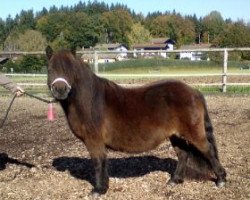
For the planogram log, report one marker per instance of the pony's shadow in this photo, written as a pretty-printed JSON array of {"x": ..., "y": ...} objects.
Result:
[
  {"x": 82, "y": 168},
  {"x": 5, "y": 159}
]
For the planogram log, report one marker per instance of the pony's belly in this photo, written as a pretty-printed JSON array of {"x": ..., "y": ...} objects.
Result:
[
  {"x": 129, "y": 136},
  {"x": 136, "y": 143}
]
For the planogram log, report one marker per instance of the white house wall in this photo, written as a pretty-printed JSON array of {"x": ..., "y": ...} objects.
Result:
[
  {"x": 191, "y": 55},
  {"x": 122, "y": 49}
]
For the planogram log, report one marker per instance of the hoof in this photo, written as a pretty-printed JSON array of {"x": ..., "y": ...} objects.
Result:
[
  {"x": 94, "y": 195},
  {"x": 173, "y": 182},
  {"x": 220, "y": 184}
]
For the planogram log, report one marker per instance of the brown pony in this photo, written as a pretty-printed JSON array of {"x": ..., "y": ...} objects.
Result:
[{"x": 105, "y": 115}]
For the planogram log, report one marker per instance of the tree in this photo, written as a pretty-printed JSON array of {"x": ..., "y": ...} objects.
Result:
[
  {"x": 9, "y": 66},
  {"x": 84, "y": 30},
  {"x": 2, "y": 32},
  {"x": 71, "y": 29},
  {"x": 42, "y": 13},
  {"x": 138, "y": 34},
  {"x": 212, "y": 25},
  {"x": 174, "y": 27},
  {"x": 118, "y": 24},
  {"x": 31, "y": 40},
  {"x": 234, "y": 35},
  {"x": 198, "y": 27},
  {"x": 60, "y": 43},
  {"x": 31, "y": 63},
  {"x": 25, "y": 20},
  {"x": 11, "y": 42},
  {"x": 10, "y": 24},
  {"x": 52, "y": 25}
]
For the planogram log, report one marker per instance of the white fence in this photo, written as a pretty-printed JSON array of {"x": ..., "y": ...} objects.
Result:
[{"x": 224, "y": 69}]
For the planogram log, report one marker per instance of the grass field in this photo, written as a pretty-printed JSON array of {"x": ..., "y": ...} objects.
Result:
[
  {"x": 170, "y": 66},
  {"x": 146, "y": 70},
  {"x": 172, "y": 70}
]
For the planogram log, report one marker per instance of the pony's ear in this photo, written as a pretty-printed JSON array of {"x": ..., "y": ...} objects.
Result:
[{"x": 49, "y": 52}]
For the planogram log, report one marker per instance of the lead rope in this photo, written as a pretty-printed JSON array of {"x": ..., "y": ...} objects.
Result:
[
  {"x": 8, "y": 110},
  {"x": 41, "y": 99},
  {"x": 13, "y": 99}
]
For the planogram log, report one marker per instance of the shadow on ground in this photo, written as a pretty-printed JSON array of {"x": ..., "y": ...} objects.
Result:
[
  {"x": 82, "y": 168},
  {"x": 5, "y": 159}
]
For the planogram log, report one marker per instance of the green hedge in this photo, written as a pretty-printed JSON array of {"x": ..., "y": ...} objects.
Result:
[{"x": 168, "y": 63}]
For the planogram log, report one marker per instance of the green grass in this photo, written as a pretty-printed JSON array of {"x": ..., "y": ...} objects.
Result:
[
  {"x": 43, "y": 91},
  {"x": 150, "y": 67},
  {"x": 165, "y": 70},
  {"x": 230, "y": 89},
  {"x": 29, "y": 79},
  {"x": 238, "y": 89}
]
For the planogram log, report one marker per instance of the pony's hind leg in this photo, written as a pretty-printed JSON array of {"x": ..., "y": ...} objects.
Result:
[
  {"x": 180, "y": 147},
  {"x": 209, "y": 152},
  {"x": 219, "y": 171}
]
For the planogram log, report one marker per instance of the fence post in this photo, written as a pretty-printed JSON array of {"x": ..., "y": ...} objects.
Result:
[
  {"x": 96, "y": 62},
  {"x": 224, "y": 72}
]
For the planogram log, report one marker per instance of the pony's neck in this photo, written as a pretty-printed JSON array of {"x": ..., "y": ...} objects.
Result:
[{"x": 113, "y": 93}]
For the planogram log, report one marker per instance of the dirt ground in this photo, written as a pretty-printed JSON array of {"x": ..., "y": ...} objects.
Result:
[{"x": 43, "y": 160}]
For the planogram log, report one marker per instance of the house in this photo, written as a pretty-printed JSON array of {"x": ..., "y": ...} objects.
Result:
[
  {"x": 117, "y": 52},
  {"x": 116, "y": 47},
  {"x": 102, "y": 58},
  {"x": 195, "y": 55},
  {"x": 156, "y": 44}
]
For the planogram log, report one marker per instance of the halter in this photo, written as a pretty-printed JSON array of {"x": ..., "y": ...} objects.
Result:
[{"x": 61, "y": 80}]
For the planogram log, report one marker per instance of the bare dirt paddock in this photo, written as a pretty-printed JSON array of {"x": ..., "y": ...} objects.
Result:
[{"x": 43, "y": 160}]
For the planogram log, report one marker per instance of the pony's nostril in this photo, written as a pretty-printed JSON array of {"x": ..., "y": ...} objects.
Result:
[{"x": 60, "y": 90}]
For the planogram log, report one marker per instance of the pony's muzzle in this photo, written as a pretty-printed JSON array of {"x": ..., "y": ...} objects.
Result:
[{"x": 60, "y": 88}]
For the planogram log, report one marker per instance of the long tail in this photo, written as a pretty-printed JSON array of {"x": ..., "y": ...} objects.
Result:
[{"x": 209, "y": 128}]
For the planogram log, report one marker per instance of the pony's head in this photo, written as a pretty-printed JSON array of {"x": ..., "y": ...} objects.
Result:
[{"x": 60, "y": 73}]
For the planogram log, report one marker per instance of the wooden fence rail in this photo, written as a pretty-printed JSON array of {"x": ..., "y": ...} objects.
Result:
[
  {"x": 149, "y": 75},
  {"x": 224, "y": 74}
]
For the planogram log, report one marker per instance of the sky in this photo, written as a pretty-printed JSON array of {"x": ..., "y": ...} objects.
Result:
[{"x": 234, "y": 9}]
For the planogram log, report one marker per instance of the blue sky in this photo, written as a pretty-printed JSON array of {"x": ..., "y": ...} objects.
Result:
[{"x": 234, "y": 9}]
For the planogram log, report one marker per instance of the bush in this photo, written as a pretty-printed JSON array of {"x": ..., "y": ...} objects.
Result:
[
  {"x": 26, "y": 64},
  {"x": 32, "y": 64},
  {"x": 6, "y": 68},
  {"x": 245, "y": 55},
  {"x": 234, "y": 56},
  {"x": 216, "y": 56}
]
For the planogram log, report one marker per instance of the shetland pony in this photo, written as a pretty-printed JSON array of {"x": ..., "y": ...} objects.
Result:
[{"x": 104, "y": 115}]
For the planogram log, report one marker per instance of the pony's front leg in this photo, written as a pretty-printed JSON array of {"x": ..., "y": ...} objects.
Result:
[
  {"x": 101, "y": 175},
  {"x": 97, "y": 153}
]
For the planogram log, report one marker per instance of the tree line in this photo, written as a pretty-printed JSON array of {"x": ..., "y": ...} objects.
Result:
[{"x": 86, "y": 24}]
